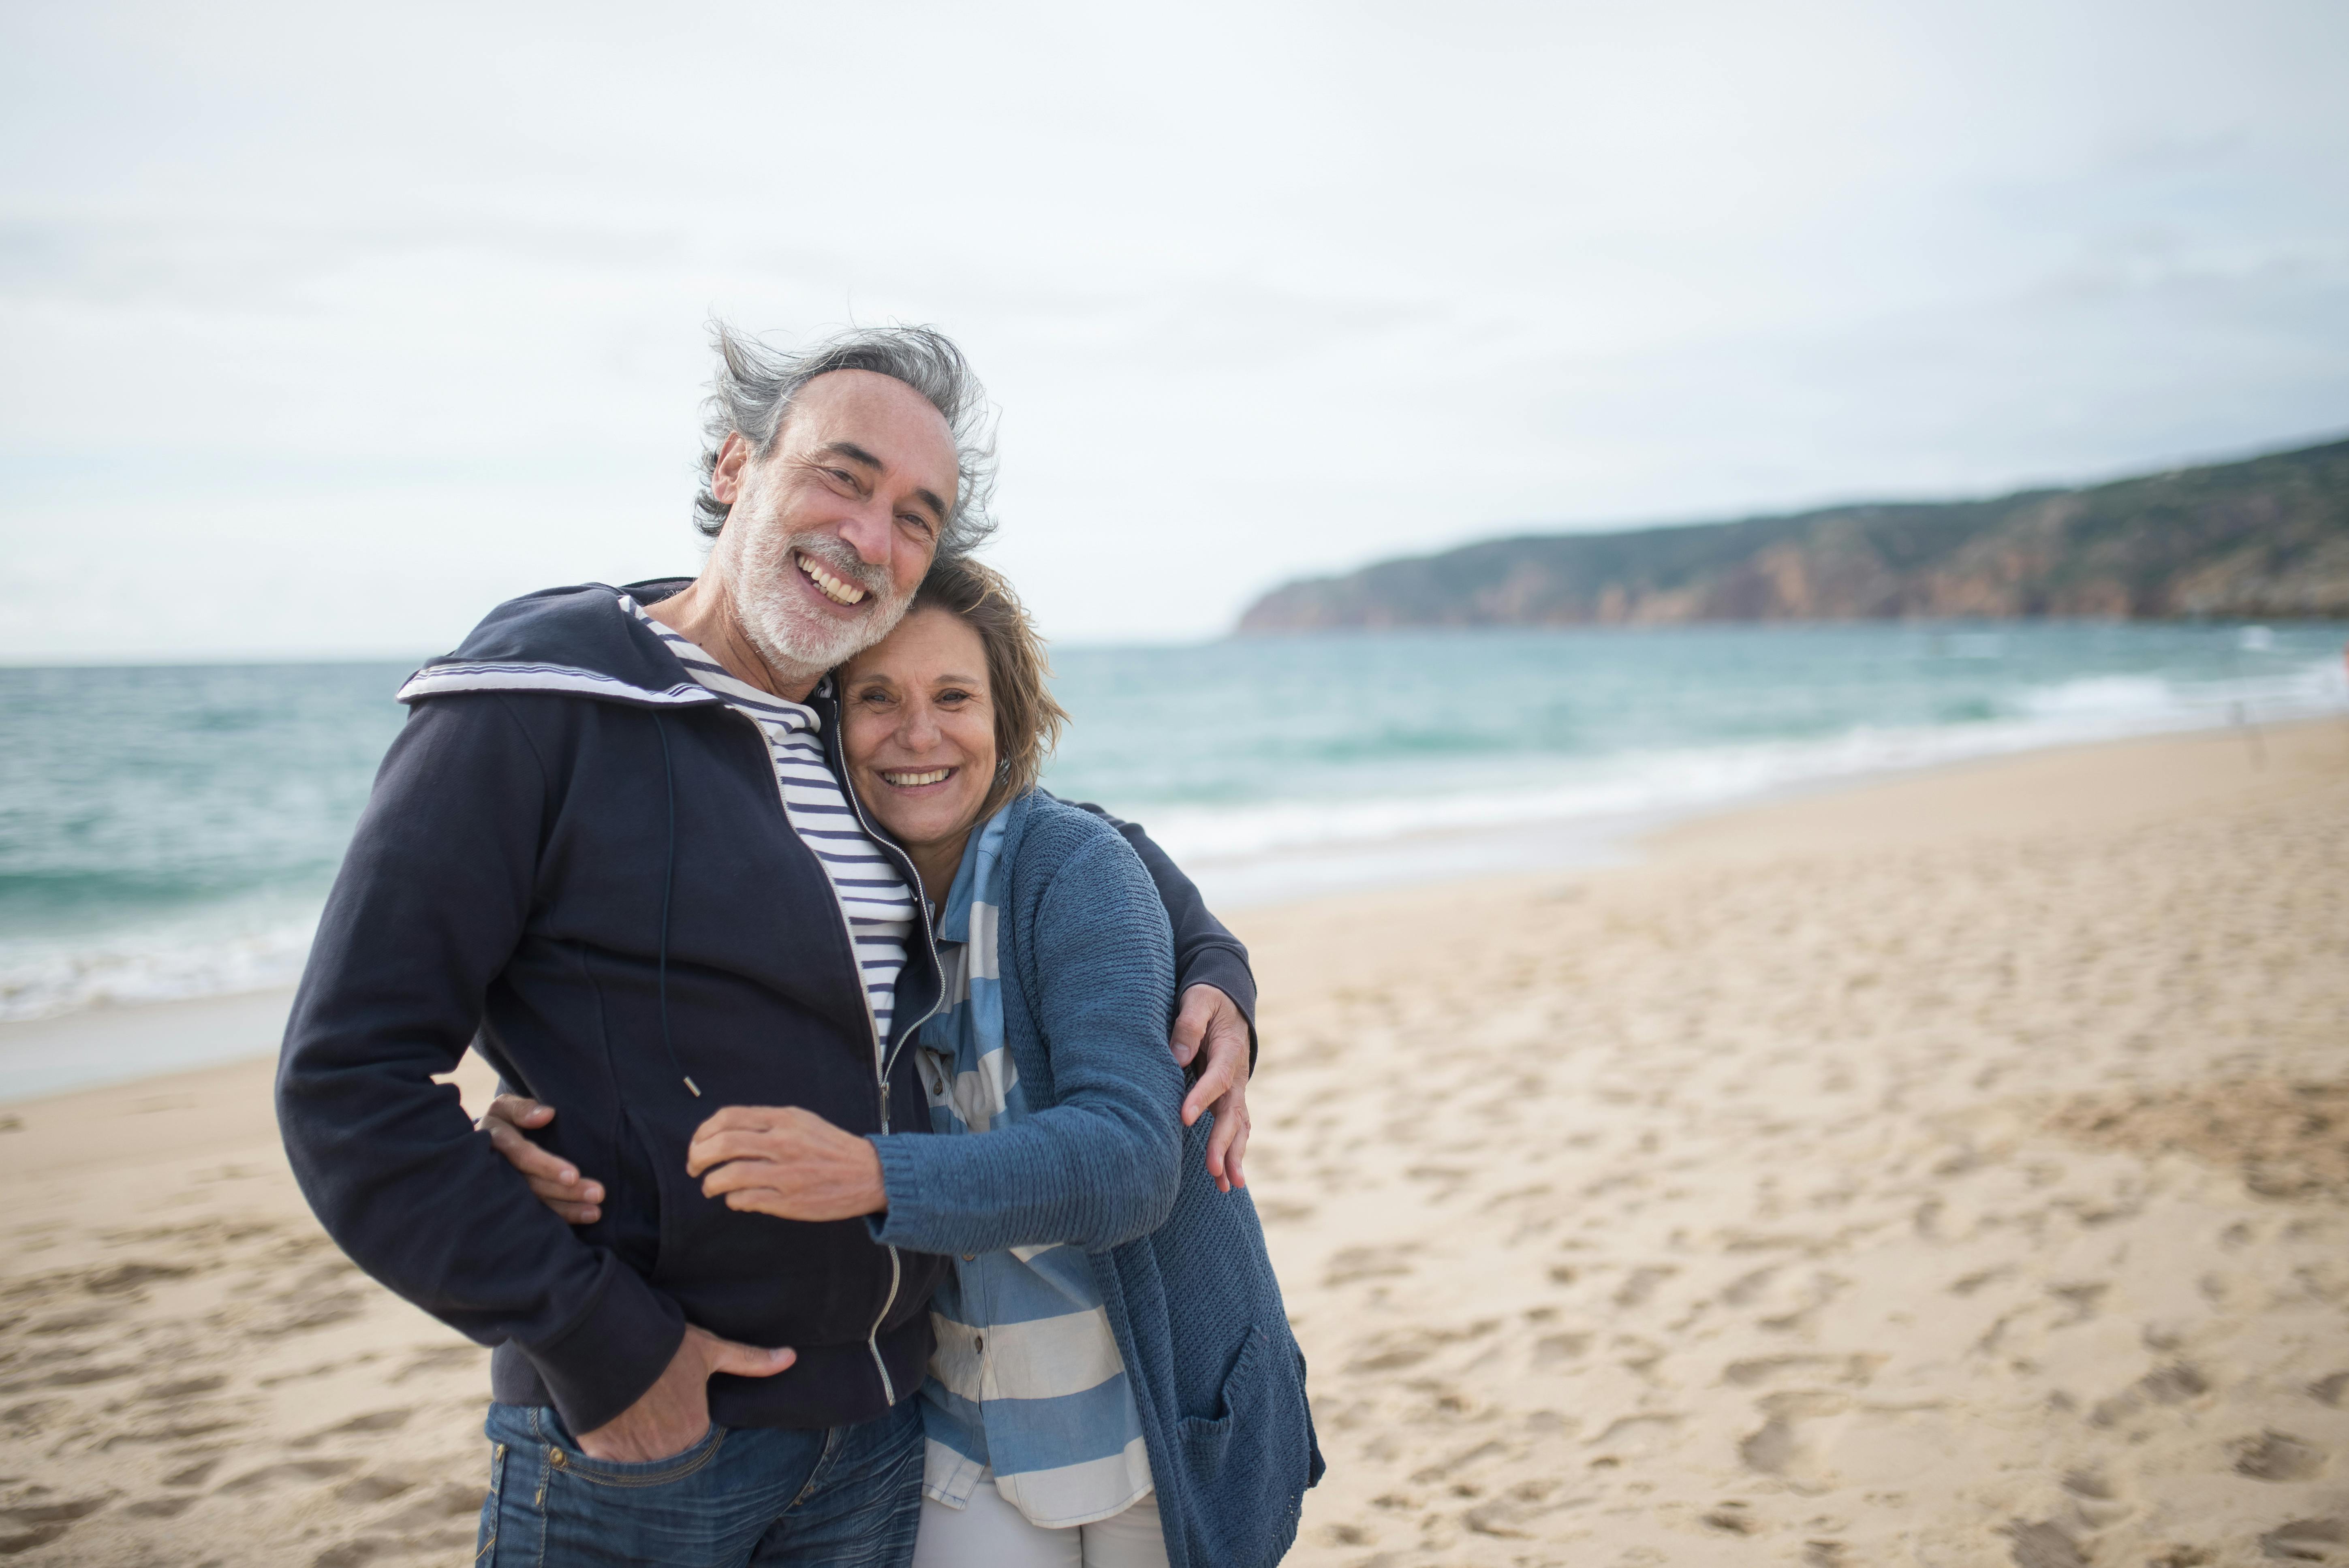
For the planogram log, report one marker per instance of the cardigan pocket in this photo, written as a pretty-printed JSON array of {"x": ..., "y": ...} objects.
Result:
[
  {"x": 1236, "y": 1460},
  {"x": 1208, "y": 1439}
]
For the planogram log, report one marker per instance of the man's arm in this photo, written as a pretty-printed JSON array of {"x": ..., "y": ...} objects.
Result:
[
  {"x": 1205, "y": 951},
  {"x": 1215, "y": 1021},
  {"x": 428, "y": 908}
]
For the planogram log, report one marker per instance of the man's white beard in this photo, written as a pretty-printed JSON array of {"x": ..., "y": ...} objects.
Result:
[{"x": 798, "y": 640}]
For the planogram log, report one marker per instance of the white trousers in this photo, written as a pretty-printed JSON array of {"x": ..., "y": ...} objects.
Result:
[{"x": 991, "y": 1533}]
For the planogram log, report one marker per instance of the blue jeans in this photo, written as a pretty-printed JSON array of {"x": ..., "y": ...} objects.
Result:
[{"x": 849, "y": 1497}]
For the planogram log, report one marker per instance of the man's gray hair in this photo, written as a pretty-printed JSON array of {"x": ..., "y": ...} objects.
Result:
[{"x": 757, "y": 382}]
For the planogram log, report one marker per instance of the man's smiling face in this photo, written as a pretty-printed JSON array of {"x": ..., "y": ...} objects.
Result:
[{"x": 831, "y": 533}]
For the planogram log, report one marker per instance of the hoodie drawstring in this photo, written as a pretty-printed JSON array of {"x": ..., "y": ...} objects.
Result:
[{"x": 668, "y": 886}]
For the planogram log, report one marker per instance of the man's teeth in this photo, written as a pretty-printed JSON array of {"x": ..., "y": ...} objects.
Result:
[
  {"x": 912, "y": 781},
  {"x": 836, "y": 591}
]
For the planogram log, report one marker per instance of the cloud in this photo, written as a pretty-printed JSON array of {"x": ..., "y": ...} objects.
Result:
[{"x": 1261, "y": 290}]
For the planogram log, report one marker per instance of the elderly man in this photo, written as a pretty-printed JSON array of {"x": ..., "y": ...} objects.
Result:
[{"x": 614, "y": 850}]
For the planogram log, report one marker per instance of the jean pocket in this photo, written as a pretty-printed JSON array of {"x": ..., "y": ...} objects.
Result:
[{"x": 676, "y": 1467}]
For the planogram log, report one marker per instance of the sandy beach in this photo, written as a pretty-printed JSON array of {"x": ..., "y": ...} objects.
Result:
[{"x": 1954, "y": 1171}]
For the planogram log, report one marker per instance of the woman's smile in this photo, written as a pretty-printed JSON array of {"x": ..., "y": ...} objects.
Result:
[{"x": 917, "y": 723}]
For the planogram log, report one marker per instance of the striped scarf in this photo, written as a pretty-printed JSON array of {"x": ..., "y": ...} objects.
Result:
[{"x": 1026, "y": 1378}]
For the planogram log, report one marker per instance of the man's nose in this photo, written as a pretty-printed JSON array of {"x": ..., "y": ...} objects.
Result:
[{"x": 869, "y": 532}]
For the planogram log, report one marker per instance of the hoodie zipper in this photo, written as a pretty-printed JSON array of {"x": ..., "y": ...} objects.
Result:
[
  {"x": 902, "y": 1030},
  {"x": 884, "y": 1058}
]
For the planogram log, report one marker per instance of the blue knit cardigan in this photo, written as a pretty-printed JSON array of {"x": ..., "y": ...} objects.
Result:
[{"x": 1105, "y": 1163}]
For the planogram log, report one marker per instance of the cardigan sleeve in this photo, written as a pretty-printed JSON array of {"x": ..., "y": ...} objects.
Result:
[{"x": 1101, "y": 1165}]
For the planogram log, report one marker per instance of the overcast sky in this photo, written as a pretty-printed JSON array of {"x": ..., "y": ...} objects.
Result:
[{"x": 326, "y": 328}]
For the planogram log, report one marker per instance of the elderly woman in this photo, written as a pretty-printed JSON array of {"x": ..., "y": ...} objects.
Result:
[{"x": 1114, "y": 1381}]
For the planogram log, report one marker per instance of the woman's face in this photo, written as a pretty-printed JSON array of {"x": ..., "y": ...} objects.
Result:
[{"x": 918, "y": 729}]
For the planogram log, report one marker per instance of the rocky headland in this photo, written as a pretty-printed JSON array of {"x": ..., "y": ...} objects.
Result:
[{"x": 2263, "y": 539}]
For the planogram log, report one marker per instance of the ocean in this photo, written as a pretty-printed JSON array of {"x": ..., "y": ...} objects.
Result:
[{"x": 168, "y": 833}]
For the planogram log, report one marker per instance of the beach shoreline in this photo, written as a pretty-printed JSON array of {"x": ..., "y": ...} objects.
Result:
[
  {"x": 1912, "y": 1173},
  {"x": 45, "y": 1057}
]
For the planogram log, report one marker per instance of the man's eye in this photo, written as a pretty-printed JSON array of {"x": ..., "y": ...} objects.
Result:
[{"x": 915, "y": 521}]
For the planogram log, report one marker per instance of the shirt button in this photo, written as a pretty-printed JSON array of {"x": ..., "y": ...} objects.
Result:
[
  {"x": 970, "y": 1257},
  {"x": 979, "y": 1342}
]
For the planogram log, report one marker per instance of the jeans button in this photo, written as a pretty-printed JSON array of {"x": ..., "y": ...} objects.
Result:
[{"x": 558, "y": 1460}]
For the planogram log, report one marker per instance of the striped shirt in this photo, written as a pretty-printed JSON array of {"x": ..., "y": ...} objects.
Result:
[
  {"x": 1026, "y": 1378},
  {"x": 874, "y": 898}
]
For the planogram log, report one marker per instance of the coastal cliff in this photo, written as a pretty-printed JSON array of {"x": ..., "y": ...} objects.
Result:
[{"x": 2266, "y": 538}]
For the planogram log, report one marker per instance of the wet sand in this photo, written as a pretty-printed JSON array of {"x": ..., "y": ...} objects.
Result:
[{"x": 1950, "y": 1172}]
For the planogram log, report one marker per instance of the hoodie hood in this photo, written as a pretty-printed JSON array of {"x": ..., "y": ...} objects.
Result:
[{"x": 579, "y": 640}]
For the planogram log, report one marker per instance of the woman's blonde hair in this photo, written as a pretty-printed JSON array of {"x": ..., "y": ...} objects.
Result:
[{"x": 1028, "y": 721}]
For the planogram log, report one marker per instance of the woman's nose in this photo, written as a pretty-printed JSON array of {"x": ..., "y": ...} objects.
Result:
[{"x": 920, "y": 731}]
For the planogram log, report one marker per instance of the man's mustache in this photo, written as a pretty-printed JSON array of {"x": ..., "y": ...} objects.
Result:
[{"x": 836, "y": 557}]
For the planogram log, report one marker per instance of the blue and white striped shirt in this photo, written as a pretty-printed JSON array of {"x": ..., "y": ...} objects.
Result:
[
  {"x": 874, "y": 898},
  {"x": 1026, "y": 1378}
]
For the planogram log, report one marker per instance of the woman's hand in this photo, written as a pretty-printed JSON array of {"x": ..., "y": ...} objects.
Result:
[
  {"x": 788, "y": 1162},
  {"x": 1214, "y": 1020},
  {"x": 555, "y": 1180}
]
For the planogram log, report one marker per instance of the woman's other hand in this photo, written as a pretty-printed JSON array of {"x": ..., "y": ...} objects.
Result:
[
  {"x": 786, "y": 1161},
  {"x": 555, "y": 1180},
  {"x": 1212, "y": 1020}
]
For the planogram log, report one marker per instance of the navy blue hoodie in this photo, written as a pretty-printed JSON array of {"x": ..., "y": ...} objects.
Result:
[{"x": 576, "y": 861}]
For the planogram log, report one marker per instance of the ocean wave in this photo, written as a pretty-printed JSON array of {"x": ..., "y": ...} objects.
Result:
[
  {"x": 260, "y": 940},
  {"x": 42, "y": 977},
  {"x": 1684, "y": 780}
]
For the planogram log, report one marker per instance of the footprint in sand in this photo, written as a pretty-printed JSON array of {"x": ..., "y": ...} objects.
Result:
[
  {"x": 293, "y": 1472},
  {"x": 2277, "y": 1456},
  {"x": 2042, "y": 1545},
  {"x": 443, "y": 1505},
  {"x": 2323, "y": 1541},
  {"x": 1734, "y": 1518},
  {"x": 357, "y": 1426},
  {"x": 1642, "y": 1284},
  {"x": 2095, "y": 1498},
  {"x": 1403, "y": 1347},
  {"x": 376, "y": 1486},
  {"x": 159, "y": 1508},
  {"x": 1349, "y": 1265},
  {"x": 1777, "y": 1447},
  {"x": 193, "y": 1475},
  {"x": 1856, "y": 1369},
  {"x": 2173, "y": 1383},
  {"x": 36, "y": 1525}
]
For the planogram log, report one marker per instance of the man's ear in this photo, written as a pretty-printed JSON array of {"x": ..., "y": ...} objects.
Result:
[{"x": 725, "y": 478}]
